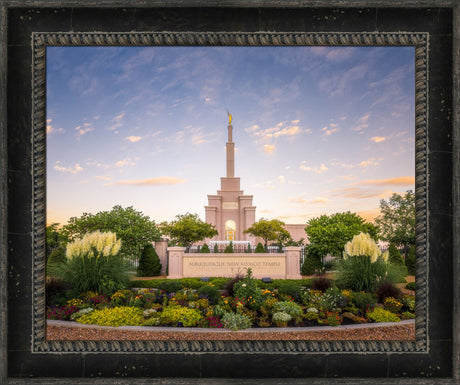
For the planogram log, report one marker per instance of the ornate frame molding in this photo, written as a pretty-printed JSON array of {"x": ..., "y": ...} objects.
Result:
[{"x": 42, "y": 40}]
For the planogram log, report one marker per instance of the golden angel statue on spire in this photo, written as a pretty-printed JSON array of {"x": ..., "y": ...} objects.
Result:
[{"x": 229, "y": 118}]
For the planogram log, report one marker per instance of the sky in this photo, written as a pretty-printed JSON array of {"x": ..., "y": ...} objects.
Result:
[{"x": 317, "y": 130}]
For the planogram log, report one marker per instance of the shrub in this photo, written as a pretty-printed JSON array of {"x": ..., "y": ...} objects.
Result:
[
  {"x": 310, "y": 265},
  {"x": 205, "y": 249},
  {"x": 93, "y": 264},
  {"x": 171, "y": 286},
  {"x": 281, "y": 318},
  {"x": 410, "y": 286},
  {"x": 116, "y": 316},
  {"x": 56, "y": 262},
  {"x": 211, "y": 322},
  {"x": 260, "y": 248},
  {"x": 410, "y": 261},
  {"x": 248, "y": 248},
  {"x": 230, "y": 284},
  {"x": 394, "y": 255},
  {"x": 408, "y": 302},
  {"x": 247, "y": 291},
  {"x": 364, "y": 301},
  {"x": 387, "y": 289},
  {"x": 321, "y": 283},
  {"x": 392, "y": 304},
  {"x": 216, "y": 248},
  {"x": 55, "y": 291},
  {"x": 291, "y": 288},
  {"x": 81, "y": 312},
  {"x": 407, "y": 315},
  {"x": 289, "y": 307},
  {"x": 219, "y": 282},
  {"x": 210, "y": 292},
  {"x": 149, "y": 263},
  {"x": 332, "y": 299},
  {"x": 229, "y": 248},
  {"x": 235, "y": 322},
  {"x": 333, "y": 318},
  {"x": 382, "y": 315},
  {"x": 180, "y": 316},
  {"x": 62, "y": 313}
]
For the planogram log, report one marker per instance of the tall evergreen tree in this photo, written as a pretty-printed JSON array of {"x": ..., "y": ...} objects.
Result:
[{"x": 149, "y": 263}]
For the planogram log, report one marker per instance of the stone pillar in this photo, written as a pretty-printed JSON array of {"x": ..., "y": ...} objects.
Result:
[
  {"x": 176, "y": 255},
  {"x": 161, "y": 247},
  {"x": 293, "y": 262}
]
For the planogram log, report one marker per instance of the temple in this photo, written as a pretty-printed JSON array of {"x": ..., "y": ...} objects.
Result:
[{"x": 230, "y": 211}]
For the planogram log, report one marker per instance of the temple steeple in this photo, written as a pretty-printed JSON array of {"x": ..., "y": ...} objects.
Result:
[
  {"x": 230, "y": 149},
  {"x": 230, "y": 211},
  {"x": 230, "y": 154}
]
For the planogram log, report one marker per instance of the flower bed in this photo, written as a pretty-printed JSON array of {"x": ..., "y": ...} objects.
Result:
[{"x": 244, "y": 305}]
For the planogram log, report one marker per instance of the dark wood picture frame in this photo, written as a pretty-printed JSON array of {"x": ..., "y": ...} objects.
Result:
[{"x": 28, "y": 26}]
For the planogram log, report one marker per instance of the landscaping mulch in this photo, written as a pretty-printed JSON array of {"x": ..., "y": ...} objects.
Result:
[{"x": 378, "y": 332}]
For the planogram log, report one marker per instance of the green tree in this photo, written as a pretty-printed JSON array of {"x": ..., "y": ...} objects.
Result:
[
  {"x": 229, "y": 248},
  {"x": 410, "y": 261},
  {"x": 205, "y": 249},
  {"x": 149, "y": 263},
  {"x": 53, "y": 239},
  {"x": 56, "y": 261},
  {"x": 394, "y": 256},
  {"x": 329, "y": 234},
  {"x": 272, "y": 230},
  {"x": 187, "y": 229},
  {"x": 132, "y": 227},
  {"x": 397, "y": 220},
  {"x": 260, "y": 248}
]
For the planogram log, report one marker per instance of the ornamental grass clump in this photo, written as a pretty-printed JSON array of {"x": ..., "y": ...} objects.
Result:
[
  {"x": 94, "y": 264},
  {"x": 363, "y": 265}
]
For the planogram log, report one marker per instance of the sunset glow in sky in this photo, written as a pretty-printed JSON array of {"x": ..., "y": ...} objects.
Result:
[{"x": 317, "y": 130}]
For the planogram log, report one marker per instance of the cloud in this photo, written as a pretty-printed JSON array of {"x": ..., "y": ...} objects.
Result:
[
  {"x": 347, "y": 177},
  {"x": 318, "y": 170},
  {"x": 160, "y": 181},
  {"x": 83, "y": 129},
  {"x": 72, "y": 170},
  {"x": 133, "y": 139},
  {"x": 117, "y": 121},
  {"x": 124, "y": 162},
  {"x": 378, "y": 139},
  {"x": 336, "y": 85},
  {"x": 103, "y": 177},
  {"x": 50, "y": 129},
  {"x": 282, "y": 129},
  {"x": 400, "y": 181},
  {"x": 269, "y": 148},
  {"x": 369, "y": 162},
  {"x": 302, "y": 201},
  {"x": 330, "y": 129},
  {"x": 369, "y": 215},
  {"x": 359, "y": 193},
  {"x": 253, "y": 128},
  {"x": 362, "y": 123},
  {"x": 281, "y": 179},
  {"x": 363, "y": 164}
]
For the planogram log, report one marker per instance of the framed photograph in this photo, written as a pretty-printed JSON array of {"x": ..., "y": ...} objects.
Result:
[{"x": 302, "y": 81}]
